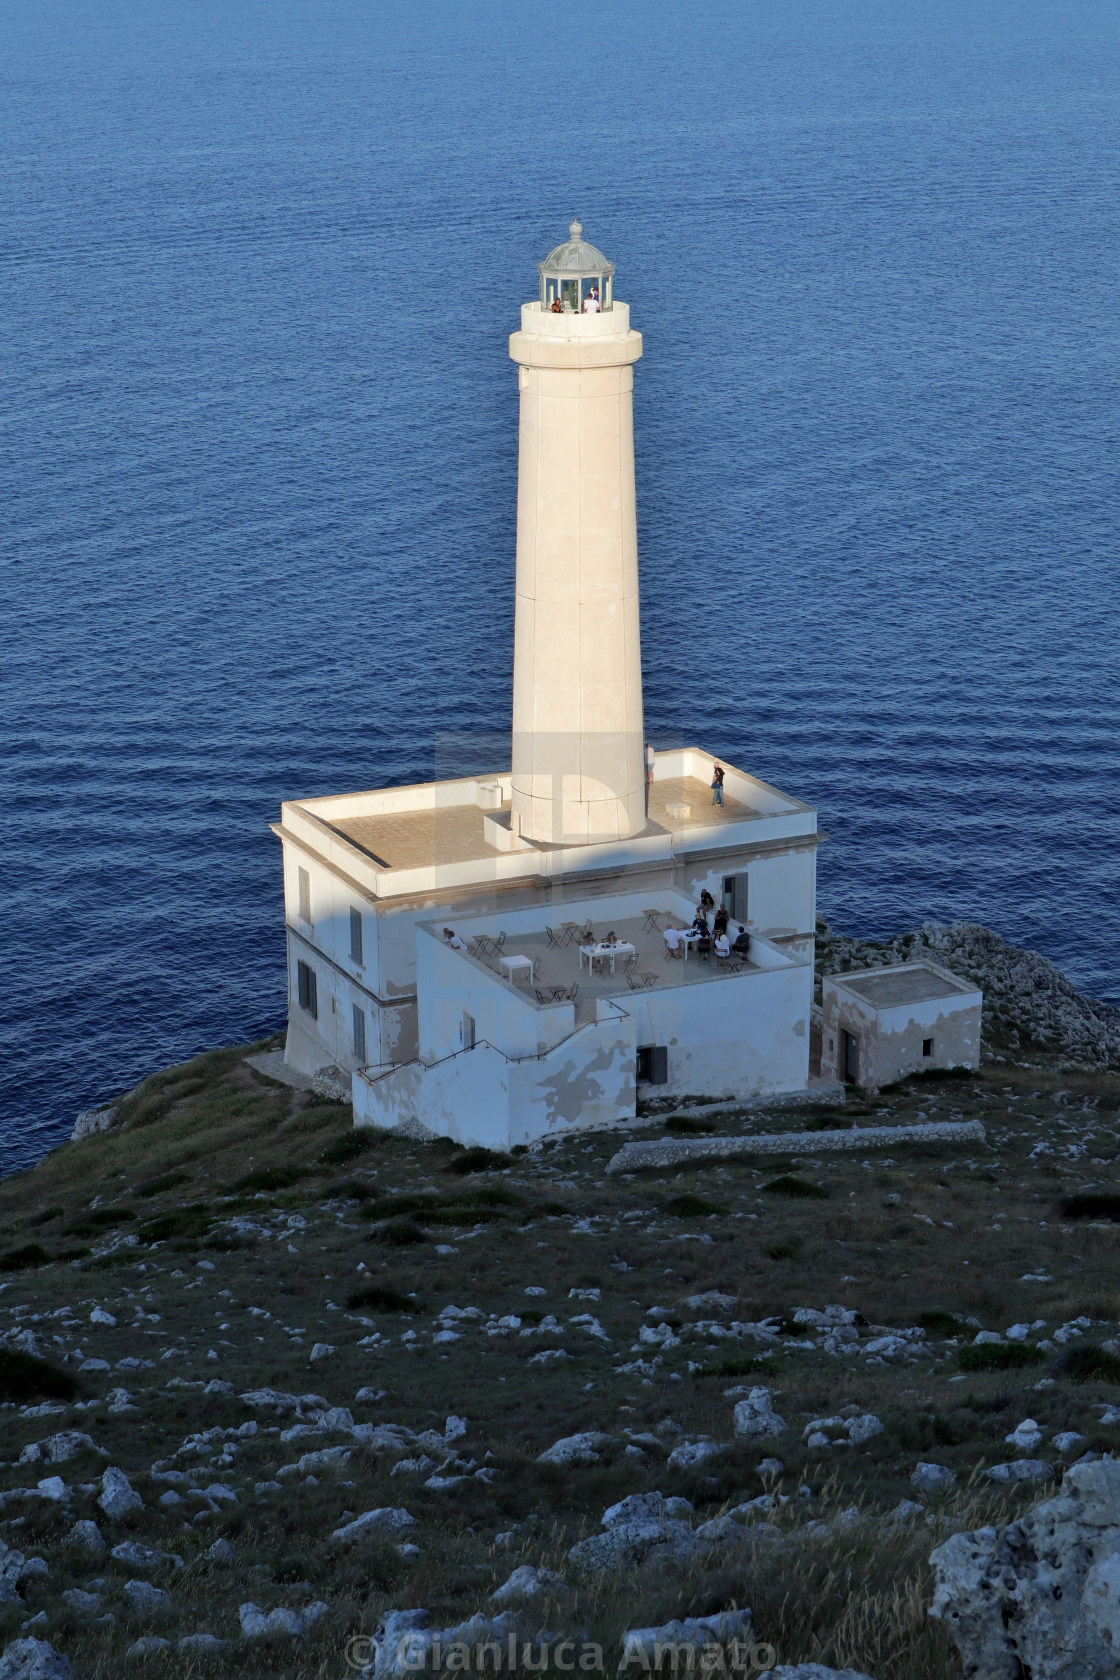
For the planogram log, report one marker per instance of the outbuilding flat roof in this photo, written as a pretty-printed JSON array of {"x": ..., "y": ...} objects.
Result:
[{"x": 887, "y": 988}]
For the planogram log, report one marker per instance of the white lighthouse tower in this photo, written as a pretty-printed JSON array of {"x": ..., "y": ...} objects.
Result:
[{"x": 578, "y": 773}]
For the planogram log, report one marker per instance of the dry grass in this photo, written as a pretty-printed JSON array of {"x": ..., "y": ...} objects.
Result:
[{"x": 223, "y": 1192}]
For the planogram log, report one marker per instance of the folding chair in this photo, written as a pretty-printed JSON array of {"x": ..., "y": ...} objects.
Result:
[
  {"x": 555, "y": 939},
  {"x": 651, "y": 924}
]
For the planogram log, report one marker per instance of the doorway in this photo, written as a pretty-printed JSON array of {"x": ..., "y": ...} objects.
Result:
[{"x": 849, "y": 1057}]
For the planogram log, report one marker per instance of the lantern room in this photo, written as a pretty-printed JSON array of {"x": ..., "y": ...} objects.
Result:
[{"x": 576, "y": 279}]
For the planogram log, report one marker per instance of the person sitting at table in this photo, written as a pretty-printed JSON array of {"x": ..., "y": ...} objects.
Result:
[
  {"x": 742, "y": 943},
  {"x": 672, "y": 937},
  {"x": 611, "y": 939},
  {"x": 722, "y": 946},
  {"x": 700, "y": 923}
]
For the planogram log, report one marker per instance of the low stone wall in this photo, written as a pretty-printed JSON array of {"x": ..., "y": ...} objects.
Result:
[{"x": 670, "y": 1152}]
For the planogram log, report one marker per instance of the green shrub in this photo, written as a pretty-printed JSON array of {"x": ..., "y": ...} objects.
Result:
[
  {"x": 350, "y": 1145},
  {"x": 478, "y": 1159},
  {"x": 351, "y": 1190},
  {"x": 23, "y": 1377},
  {"x": 689, "y": 1206},
  {"x": 45, "y": 1217},
  {"x": 384, "y": 1299},
  {"x": 156, "y": 1186},
  {"x": 545, "y": 1210},
  {"x": 269, "y": 1178},
  {"x": 398, "y": 1233},
  {"x": 996, "y": 1356},
  {"x": 783, "y": 1250},
  {"x": 91, "y": 1224},
  {"x": 1090, "y": 1364},
  {"x": 798, "y": 1188},
  {"x": 939, "y": 1322},
  {"x": 19, "y": 1259},
  {"x": 681, "y": 1125},
  {"x": 1091, "y": 1204},
  {"x": 737, "y": 1366},
  {"x": 179, "y": 1222}
]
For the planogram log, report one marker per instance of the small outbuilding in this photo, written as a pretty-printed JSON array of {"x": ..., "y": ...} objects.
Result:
[{"x": 881, "y": 1024}]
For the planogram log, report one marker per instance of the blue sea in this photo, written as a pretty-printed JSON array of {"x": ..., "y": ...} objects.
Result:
[{"x": 258, "y": 431}]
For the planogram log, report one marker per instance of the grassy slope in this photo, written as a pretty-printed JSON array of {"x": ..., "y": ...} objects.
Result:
[{"x": 289, "y": 1241}]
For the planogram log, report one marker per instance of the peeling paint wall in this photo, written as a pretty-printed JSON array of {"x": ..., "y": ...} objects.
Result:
[
  {"x": 892, "y": 1040},
  {"x": 480, "y": 1096},
  {"x": 741, "y": 1035}
]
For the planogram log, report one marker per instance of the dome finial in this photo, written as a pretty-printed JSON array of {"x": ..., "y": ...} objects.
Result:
[{"x": 575, "y": 230}]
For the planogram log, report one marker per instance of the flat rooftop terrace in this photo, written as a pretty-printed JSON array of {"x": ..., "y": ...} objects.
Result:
[
  {"x": 562, "y": 967},
  {"x": 422, "y": 838}
]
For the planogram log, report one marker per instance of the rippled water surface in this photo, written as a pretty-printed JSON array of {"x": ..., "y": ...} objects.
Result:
[{"x": 258, "y": 448}]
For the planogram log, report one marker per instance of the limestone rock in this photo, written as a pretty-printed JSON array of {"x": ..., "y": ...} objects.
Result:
[
  {"x": 82, "y": 1603},
  {"x": 34, "y": 1659},
  {"x": 1042, "y": 1597},
  {"x": 86, "y": 1537},
  {"x": 755, "y": 1419},
  {"x": 575, "y": 1449},
  {"x": 1020, "y": 1470},
  {"x": 815, "y": 1671},
  {"x": 144, "y": 1599},
  {"x": 691, "y": 1453},
  {"x": 148, "y": 1645},
  {"x": 527, "y": 1582},
  {"x": 932, "y": 1478},
  {"x": 118, "y": 1498},
  {"x": 206, "y": 1643},
  {"x": 694, "y": 1633},
  {"x": 404, "y": 1640},
  {"x": 93, "y": 1120},
  {"x": 386, "y": 1519},
  {"x": 279, "y": 1624}
]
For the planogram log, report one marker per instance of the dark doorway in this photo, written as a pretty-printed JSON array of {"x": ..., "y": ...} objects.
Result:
[{"x": 849, "y": 1057}]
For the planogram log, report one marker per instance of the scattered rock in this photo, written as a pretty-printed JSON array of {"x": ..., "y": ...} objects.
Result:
[
  {"x": 527, "y": 1582},
  {"x": 91, "y": 1121},
  {"x": 222, "y": 1551},
  {"x": 932, "y": 1478},
  {"x": 754, "y": 1418},
  {"x": 1069, "y": 1441},
  {"x": 144, "y": 1599},
  {"x": 117, "y": 1498},
  {"x": 387, "y": 1519},
  {"x": 278, "y": 1624},
  {"x": 691, "y": 1453},
  {"x": 147, "y": 1646},
  {"x": 1042, "y": 1597},
  {"x": 1020, "y": 1470},
  {"x": 695, "y": 1633},
  {"x": 815, "y": 1671},
  {"x": 82, "y": 1603},
  {"x": 86, "y": 1537},
  {"x": 136, "y": 1556},
  {"x": 206, "y": 1643},
  {"x": 575, "y": 1449},
  {"x": 1027, "y": 1436}
]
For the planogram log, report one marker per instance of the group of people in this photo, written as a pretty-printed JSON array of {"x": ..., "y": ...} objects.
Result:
[
  {"x": 591, "y": 303},
  {"x": 715, "y": 930}
]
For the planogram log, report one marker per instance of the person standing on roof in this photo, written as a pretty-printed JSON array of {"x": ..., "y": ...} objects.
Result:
[{"x": 717, "y": 784}]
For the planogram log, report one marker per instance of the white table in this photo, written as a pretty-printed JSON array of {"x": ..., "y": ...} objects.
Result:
[
  {"x": 688, "y": 940},
  {"x": 601, "y": 952},
  {"x": 516, "y": 963}
]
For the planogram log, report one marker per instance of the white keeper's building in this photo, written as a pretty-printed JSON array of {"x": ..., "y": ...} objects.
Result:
[{"x": 522, "y": 1035}]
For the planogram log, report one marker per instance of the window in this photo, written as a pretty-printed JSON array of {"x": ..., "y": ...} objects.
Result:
[
  {"x": 735, "y": 897},
  {"x": 304, "y": 896},
  {"x": 653, "y": 1064},
  {"x": 927, "y": 1046},
  {"x": 468, "y": 1030},
  {"x": 308, "y": 989},
  {"x": 849, "y": 1067},
  {"x": 355, "y": 936},
  {"x": 359, "y": 1033}
]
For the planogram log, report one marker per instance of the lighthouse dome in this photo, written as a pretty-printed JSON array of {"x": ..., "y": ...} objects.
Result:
[{"x": 575, "y": 276}]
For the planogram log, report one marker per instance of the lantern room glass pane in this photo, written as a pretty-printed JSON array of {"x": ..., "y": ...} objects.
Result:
[{"x": 569, "y": 295}]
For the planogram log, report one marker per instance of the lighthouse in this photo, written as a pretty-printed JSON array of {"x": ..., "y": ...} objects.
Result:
[
  {"x": 506, "y": 956},
  {"x": 578, "y": 773}
]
